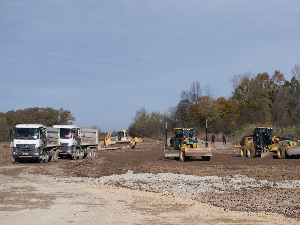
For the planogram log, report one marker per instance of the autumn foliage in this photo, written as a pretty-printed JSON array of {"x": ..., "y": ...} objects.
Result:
[
  {"x": 46, "y": 116},
  {"x": 256, "y": 99}
]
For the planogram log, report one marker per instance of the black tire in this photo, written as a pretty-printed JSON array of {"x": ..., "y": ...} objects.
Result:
[
  {"x": 251, "y": 152},
  {"x": 89, "y": 154},
  {"x": 75, "y": 156},
  {"x": 281, "y": 153},
  {"x": 182, "y": 156},
  {"x": 51, "y": 158},
  {"x": 243, "y": 152},
  {"x": 93, "y": 153},
  {"x": 206, "y": 158},
  {"x": 46, "y": 158},
  {"x": 56, "y": 156},
  {"x": 81, "y": 154}
]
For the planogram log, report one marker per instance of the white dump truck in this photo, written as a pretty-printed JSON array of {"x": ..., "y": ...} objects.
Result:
[
  {"x": 76, "y": 143},
  {"x": 35, "y": 142}
]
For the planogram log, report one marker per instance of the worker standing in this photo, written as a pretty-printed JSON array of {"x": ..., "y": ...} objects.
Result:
[
  {"x": 213, "y": 139},
  {"x": 224, "y": 139}
]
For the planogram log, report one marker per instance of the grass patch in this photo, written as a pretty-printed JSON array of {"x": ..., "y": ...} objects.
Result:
[{"x": 4, "y": 143}]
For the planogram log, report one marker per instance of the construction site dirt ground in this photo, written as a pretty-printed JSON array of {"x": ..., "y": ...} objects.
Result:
[{"x": 237, "y": 190}]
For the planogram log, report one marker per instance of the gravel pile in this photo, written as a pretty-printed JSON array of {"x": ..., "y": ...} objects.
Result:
[{"x": 188, "y": 186}]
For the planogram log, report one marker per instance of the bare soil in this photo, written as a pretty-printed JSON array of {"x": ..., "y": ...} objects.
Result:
[{"x": 149, "y": 158}]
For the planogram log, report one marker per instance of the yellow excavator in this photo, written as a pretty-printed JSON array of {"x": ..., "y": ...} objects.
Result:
[
  {"x": 123, "y": 141},
  {"x": 183, "y": 146},
  {"x": 263, "y": 143}
]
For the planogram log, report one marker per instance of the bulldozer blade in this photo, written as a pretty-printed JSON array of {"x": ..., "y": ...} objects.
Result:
[
  {"x": 198, "y": 152},
  {"x": 108, "y": 148},
  {"x": 265, "y": 154},
  {"x": 172, "y": 154},
  {"x": 295, "y": 150}
]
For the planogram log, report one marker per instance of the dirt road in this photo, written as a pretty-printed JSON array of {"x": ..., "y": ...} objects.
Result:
[{"x": 238, "y": 190}]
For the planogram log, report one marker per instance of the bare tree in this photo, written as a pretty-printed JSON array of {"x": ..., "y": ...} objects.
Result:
[
  {"x": 241, "y": 85},
  {"x": 296, "y": 71}
]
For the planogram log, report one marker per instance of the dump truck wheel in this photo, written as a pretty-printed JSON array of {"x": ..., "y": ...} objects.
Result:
[
  {"x": 93, "y": 153},
  {"x": 251, "y": 152},
  {"x": 206, "y": 158},
  {"x": 75, "y": 155},
  {"x": 243, "y": 152},
  {"x": 89, "y": 154},
  {"x": 182, "y": 156},
  {"x": 55, "y": 156},
  {"x": 81, "y": 154},
  {"x": 281, "y": 153},
  {"x": 46, "y": 158}
]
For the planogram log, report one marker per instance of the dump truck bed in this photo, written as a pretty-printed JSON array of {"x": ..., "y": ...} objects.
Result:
[
  {"x": 53, "y": 137},
  {"x": 89, "y": 137}
]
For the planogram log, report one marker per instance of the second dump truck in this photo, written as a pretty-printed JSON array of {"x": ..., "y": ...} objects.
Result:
[
  {"x": 184, "y": 146},
  {"x": 77, "y": 143}
]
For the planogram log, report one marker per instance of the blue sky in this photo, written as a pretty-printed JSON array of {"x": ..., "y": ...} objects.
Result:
[{"x": 104, "y": 60}]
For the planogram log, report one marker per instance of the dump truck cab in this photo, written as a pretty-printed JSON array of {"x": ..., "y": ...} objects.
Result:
[{"x": 70, "y": 140}]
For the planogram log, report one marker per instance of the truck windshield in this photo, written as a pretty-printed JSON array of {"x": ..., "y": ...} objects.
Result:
[
  {"x": 65, "y": 133},
  {"x": 27, "y": 133}
]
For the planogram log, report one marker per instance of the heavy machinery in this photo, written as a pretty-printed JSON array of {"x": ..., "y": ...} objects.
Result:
[
  {"x": 77, "y": 143},
  {"x": 263, "y": 143},
  {"x": 123, "y": 141},
  {"x": 35, "y": 142},
  {"x": 183, "y": 146}
]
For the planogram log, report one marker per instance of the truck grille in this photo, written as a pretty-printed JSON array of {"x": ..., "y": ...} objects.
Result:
[
  {"x": 63, "y": 147},
  {"x": 26, "y": 147}
]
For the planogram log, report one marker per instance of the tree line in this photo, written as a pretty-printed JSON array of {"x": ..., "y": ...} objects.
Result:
[
  {"x": 262, "y": 99},
  {"x": 46, "y": 116}
]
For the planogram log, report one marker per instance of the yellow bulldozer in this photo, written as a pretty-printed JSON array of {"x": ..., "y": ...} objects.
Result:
[
  {"x": 183, "y": 146},
  {"x": 263, "y": 143},
  {"x": 123, "y": 141}
]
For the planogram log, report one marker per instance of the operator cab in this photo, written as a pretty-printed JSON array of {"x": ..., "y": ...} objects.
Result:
[
  {"x": 124, "y": 134},
  {"x": 262, "y": 137}
]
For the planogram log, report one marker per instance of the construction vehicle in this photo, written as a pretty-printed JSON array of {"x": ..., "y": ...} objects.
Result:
[
  {"x": 263, "y": 143},
  {"x": 89, "y": 142},
  {"x": 76, "y": 143},
  {"x": 184, "y": 146},
  {"x": 123, "y": 141},
  {"x": 34, "y": 142}
]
